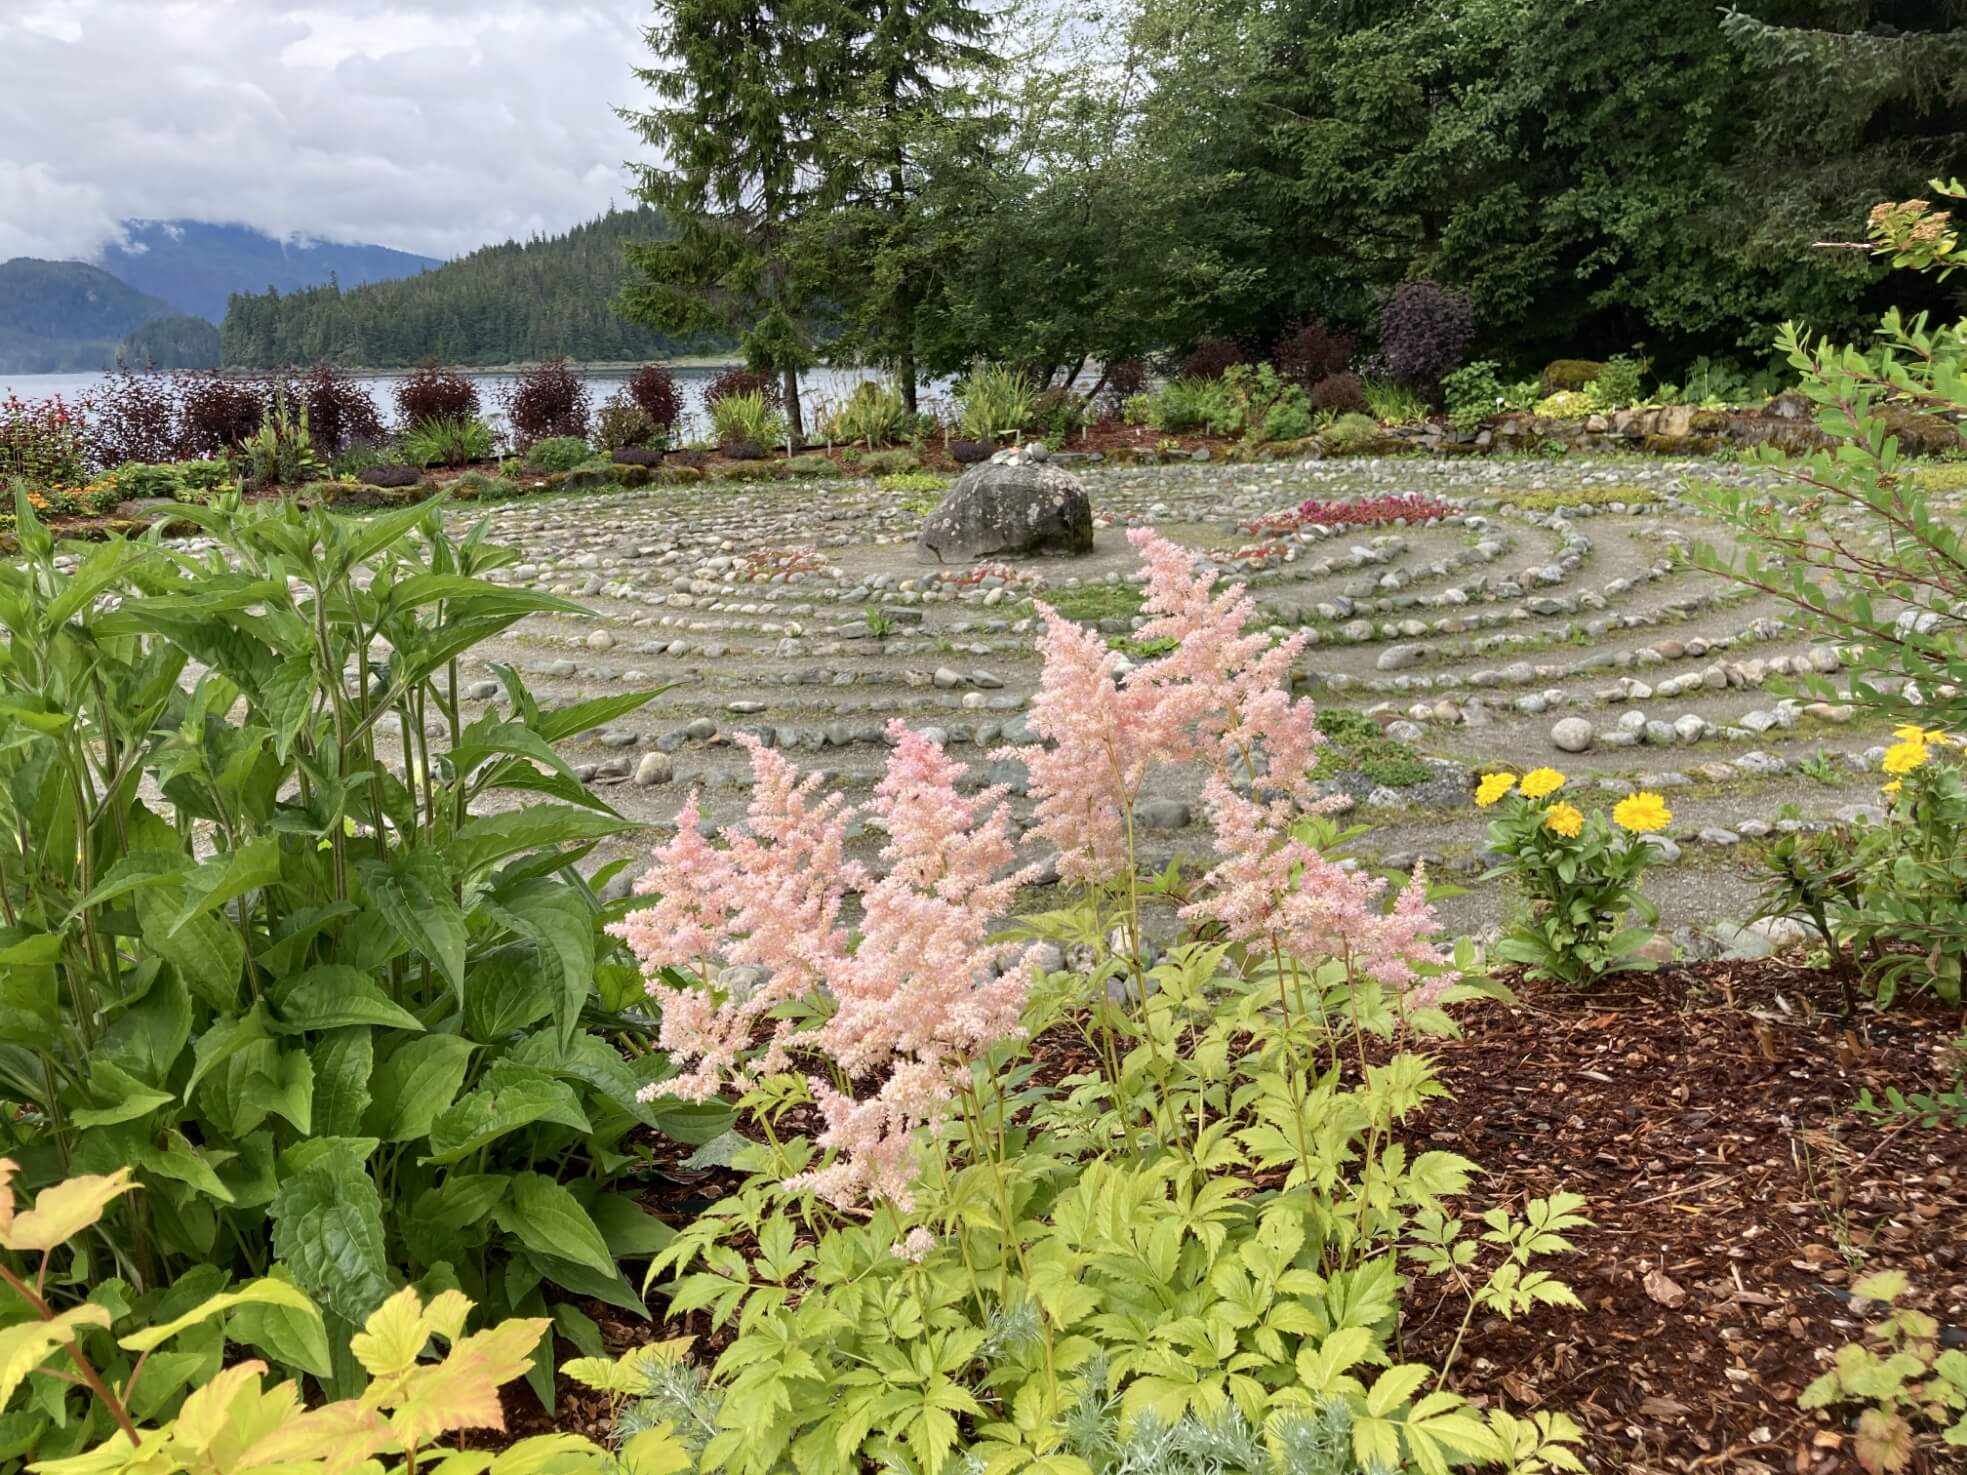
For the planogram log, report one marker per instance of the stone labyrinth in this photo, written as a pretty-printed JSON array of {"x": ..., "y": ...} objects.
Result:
[{"x": 1579, "y": 637}]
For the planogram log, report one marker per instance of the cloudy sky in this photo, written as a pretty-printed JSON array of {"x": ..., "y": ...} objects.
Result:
[{"x": 429, "y": 125}]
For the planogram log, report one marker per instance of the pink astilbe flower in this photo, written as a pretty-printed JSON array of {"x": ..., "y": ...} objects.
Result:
[
  {"x": 770, "y": 899},
  {"x": 926, "y": 981},
  {"x": 1225, "y": 688},
  {"x": 1221, "y": 697},
  {"x": 873, "y": 1148},
  {"x": 1273, "y": 891}
]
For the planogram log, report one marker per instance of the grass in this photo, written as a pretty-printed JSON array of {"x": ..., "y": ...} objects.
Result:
[
  {"x": 1355, "y": 743},
  {"x": 1092, "y": 603}
]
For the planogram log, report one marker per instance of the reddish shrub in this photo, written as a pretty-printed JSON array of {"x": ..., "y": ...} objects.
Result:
[
  {"x": 745, "y": 381},
  {"x": 1210, "y": 358},
  {"x": 1372, "y": 511},
  {"x": 1125, "y": 378},
  {"x": 44, "y": 442},
  {"x": 133, "y": 417},
  {"x": 653, "y": 389},
  {"x": 1343, "y": 394},
  {"x": 432, "y": 392},
  {"x": 547, "y": 400},
  {"x": 1425, "y": 329},
  {"x": 340, "y": 412},
  {"x": 216, "y": 412},
  {"x": 1311, "y": 352}
]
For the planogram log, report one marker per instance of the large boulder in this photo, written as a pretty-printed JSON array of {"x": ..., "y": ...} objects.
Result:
[{"x": 1021, "y": 509}]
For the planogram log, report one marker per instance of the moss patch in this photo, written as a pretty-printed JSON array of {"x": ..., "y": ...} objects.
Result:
[{"x": 1355, "y": 743}]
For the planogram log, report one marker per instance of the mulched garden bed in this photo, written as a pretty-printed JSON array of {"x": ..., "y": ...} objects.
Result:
[{"x": 1705, "y": 1113}]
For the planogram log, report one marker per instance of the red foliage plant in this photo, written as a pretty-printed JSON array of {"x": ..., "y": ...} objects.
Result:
[
  {"x": 1311, "y": 352},
  {"x": 547, "y": 400},
  {"x": 1374, "y": 511},
  {"x": 217, "y": 412},
  {"x": 744, "y": 381},
  {"x": 653, "y": 389},
  {"x": 1211, "y": 358},
  {"x": 1343, "y": 394},
  {"x": 340, "y": 412},
  {"x": 134, "y": 417},
  {"x": 432, "y": 392},
  {"x": 1425, "y": 330}
]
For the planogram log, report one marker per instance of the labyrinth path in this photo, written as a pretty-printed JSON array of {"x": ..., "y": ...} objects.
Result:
[{"x": 1488, "y": 637}]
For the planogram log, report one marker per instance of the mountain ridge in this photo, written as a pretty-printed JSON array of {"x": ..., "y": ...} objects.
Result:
[{"x": 63, "y": 316}]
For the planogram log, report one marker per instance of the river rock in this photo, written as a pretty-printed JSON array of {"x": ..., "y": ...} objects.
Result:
[{"x": 1572, "y": 735}]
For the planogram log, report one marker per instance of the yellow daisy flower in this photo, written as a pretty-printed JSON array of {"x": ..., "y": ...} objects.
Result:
[
  {"x": 1565, "y": 820},
  {"x": 1541, "y": 781},
  {"x": 1493, "y": 787},
  {"x": 1892, "y": 789},
  {"x": 1903, "y": 757},
  {"x": 1642, "y": 812},
  {"x": 1921, "y": 735}
]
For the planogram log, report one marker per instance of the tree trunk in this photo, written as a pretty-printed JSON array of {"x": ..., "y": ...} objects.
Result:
[{"x": 790, "y": 383}]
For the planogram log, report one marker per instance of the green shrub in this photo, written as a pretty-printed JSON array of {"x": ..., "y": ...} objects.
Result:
[
  {"x": 152, "y": 482},
  {"x": 447, "y": 442},
  {"x": 1289, "y": 421},
  {"x": 331, "y": 1017},
  {"x": 557, "y": 453},
  {"x": 747, "y": 416},
  {"x": 888, "y": 463},
  {"x": 809, "y": 466},
  {"x": 1058, "y": 412},
  {"x": 280, "y": 452},
  {"x": 623, "y": 423},
  {"x": 1352, "y": 432},
  {"x": 1580, "y": 875},
  {"x": 482, "y": 486},
  {"x": 1185, "y": 406},
  {"x": 873, "y": 414},
  {"x": 1568, "y": 374},
  {"x": 914, "y": 481},
  {"x": 1472, "y": 394},
  {"x": 1567, "y": 404},
  {"x": 994, "y": 400},
  {"x": 1619, "y": 384}
]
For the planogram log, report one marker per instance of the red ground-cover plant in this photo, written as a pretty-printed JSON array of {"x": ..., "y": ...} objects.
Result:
[
  {"x": 44, "y": 442},
  {"x": 432, "y": 392},
  {"x": 1310, "y": 352},
  {"x": 653, "y": 391},
  {"x": 545, "y": 401},
  {"x": 1373, "y": 511}
]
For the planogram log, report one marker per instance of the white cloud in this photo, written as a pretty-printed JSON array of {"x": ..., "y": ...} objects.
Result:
[{"x": 429, "y": 125}]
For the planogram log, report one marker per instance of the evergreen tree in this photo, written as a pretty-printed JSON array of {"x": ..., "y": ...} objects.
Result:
[
  {"x": 738, "y": 89},
  {"x": 910, "y": 106}
]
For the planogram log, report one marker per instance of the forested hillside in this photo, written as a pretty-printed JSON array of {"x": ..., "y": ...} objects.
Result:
[
  {"x": 60, "y": 316},
  {"x": 521, "y": 300},
  {"x": 196, "y": 265}
]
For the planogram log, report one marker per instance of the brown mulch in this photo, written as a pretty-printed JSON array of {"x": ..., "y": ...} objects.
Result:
[{"x": 1704, "y": 1112}]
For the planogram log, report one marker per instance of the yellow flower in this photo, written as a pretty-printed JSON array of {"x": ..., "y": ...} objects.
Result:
[
  {"x": 1642, "y": 812},
  {"x": 1541, "y": 781},
  {"x": 1493, "y": 787},
  {"x": 1891, "y": 789},
  {"x": 1903, "y": 757},
  {"x": 1921, "y": 735},
  {"x": 1565, "y": 820}
]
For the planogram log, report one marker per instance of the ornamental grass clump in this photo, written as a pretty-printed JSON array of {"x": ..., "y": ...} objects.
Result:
[
  {"x": 1198, "y": 1227},
  {"x": 1580, "y": 875}
]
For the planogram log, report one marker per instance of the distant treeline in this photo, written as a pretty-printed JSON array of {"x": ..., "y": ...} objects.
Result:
[{"x": 537, "y": 299}]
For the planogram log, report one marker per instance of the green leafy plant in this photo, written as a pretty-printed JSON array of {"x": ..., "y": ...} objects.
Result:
[
  {"x": 1472, "y": 394},
  {"x": 747, "y": 417},
  {"x": 557, "y": 453},
  {"x": 1814, "y": 875},
  {"x": 446, "y": 441},
  {"x": 1580, "y": 874},
  {"x": 1901, "y": 1376},
  {"x": 293, "y": 978},
  {"x": 1393, "y": 404},
  {"x": 1620, "y": 383},
  {"x": 280, "y": 452},
  {"x": 994, "y": 400},
  {"x": 1356, "y": 743},
  {"x": 1946, "y": 1108},
  {"x": 873, "y": 414},
  {"x": 1353, "y": 432}
]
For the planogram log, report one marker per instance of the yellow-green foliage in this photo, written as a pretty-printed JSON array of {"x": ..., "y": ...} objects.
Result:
[{"x": 1583, "y": 497}]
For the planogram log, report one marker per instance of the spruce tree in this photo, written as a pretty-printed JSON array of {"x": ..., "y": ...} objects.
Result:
[
  {"x": 738, "y": 94},
  {"x": 904, "y": 70}
]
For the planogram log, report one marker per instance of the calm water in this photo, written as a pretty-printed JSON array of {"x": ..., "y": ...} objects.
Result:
[{"x": 817, "y": 388}]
